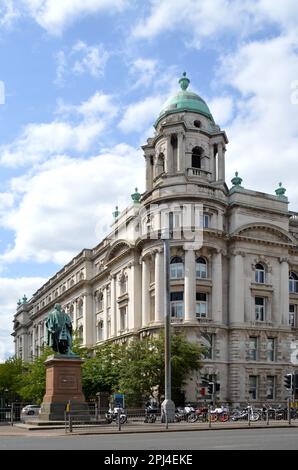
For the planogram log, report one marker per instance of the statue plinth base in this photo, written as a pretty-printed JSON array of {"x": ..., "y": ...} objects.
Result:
[{"x": 63, "y": 386}]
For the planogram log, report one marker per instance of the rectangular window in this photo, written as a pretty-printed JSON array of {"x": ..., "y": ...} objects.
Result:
[
  {"x": 205, "y": 220},
  {"x": 253, "y": 348},
  {"x": 201, "y": 269},
  {"x": 201, "y": 305},
  {"x": 123, "y": 319},
  {"x": 253, "y": 387},
  {"x": 260, "y": 308},
  {"x": 271, "y": 350},
  {"x": 176, "y": 271},
  {"x": 292, "y": 315},
  {"x": 270, "y": 393},
  {"x": 177, "y": 305}
]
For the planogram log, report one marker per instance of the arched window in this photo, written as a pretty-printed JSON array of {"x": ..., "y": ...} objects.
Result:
[
  {"x": 259, "y": 273},
  {"x": 99, "y": 301},
  {"x": 176, "y": 268},
  {"x": 80, "y": 308},
  {"x": 293, "y": 283},
  {"x": 197, "y": 123},
  {"x": 196, "y": 157},
  {"x": 201, "y": 268},
  {"x": 100, "y": 330}
]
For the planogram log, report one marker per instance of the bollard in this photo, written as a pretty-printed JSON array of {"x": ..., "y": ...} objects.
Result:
[
  {"x": 289, "y": 411},
  {"x": 209, "y": 417},
  {"x": 248, "y": 416},
  {"x": 118, "y": 418},
  {"x": 11, "y": 415},
  {"x": 267, "y": 417},
  {"x": 70, "y": 423}
]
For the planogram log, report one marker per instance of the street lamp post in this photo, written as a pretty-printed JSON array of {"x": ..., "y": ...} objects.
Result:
[{"x": 168, "y": 405}]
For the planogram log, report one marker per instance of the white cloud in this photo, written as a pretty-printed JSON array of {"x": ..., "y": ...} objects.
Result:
[
  {"x": 55, "y": 15},
  {"x": 10, "y": 291},
  {"x": 143, "y": 71},
  {"x": 68, "y": 203},
  {"x": 139, "y": 115},
  {"x": 92, "y": 59},
  {"x": 38, "y": 142},
  {"x": 198, "y": 19},
  {"x": 8, "y": 13},
  {"x": 207, "y": 20},
  {"x": 221, "y": 108},
  {"x": 81, "y": 59},
  {"x": 61, "y": 68},
  {"x": 263, "y": 134}
]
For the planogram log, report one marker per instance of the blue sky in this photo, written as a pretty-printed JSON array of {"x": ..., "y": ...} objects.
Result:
[{"x": 84, "y": 81}]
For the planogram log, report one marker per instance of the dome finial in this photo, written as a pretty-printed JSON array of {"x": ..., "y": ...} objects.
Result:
[{"x": 184, "y": 82}]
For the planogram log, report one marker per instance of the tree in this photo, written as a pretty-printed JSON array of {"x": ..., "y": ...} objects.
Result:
[
  {"x": 142, "y": 366},
  {"x": 101, "y": 369},
  {"x": 32, "y": 384},
  {"x": 10, "y": 375}
]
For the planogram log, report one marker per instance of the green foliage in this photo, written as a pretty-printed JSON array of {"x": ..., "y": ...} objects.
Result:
[
  {"x": 10, "y": 375},
  {"x": 100, "y": 371},
  {"x": 134, "y": 369},
  {"x": 32, "y": 383},
  {"x": 138, "y": 367},
  {"x": 143, "y": 365}
]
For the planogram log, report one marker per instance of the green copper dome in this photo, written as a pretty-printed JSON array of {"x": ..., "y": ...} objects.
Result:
[{"x": 185, "y": 101}]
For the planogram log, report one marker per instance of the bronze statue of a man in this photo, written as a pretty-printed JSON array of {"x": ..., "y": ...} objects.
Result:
[{"x": 59, "y": 331}]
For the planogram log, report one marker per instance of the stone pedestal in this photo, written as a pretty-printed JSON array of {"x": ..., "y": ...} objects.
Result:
[{"x": 63, "y": 385}]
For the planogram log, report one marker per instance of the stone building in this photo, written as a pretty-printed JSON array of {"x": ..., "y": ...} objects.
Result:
[{"x": 234, "y": 289}]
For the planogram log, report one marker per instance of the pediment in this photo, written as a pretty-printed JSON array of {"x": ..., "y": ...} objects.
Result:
[
  {"x": 265, "y": 232},
  {"x": 120, "y": 247}
]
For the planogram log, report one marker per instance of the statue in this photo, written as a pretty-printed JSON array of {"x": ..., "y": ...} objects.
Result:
[{"x": 59, "y": 331}]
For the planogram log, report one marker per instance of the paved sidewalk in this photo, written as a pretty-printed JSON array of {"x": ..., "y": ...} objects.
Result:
[{"x": 131, "y": 428}]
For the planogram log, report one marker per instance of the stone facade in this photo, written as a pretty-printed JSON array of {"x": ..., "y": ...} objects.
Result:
[{"x": 235, "y": 290}]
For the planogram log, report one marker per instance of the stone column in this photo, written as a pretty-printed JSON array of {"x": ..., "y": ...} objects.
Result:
[
  {"x": 135, "y": 296},
  {"x": 24, "y": 347},
  {"x": 236, "y": 291},
  {"x": 284, "y": 291},
  {"x": 113, "y": 306},
  {"x": 89, "y": 324},
  {"x": 190, "y": 286},
  {"x": 33, "y": 341},
  {"x": 74, "y": 323},
  {"x": 159, "y": 287},
  {"x": 217, "y": 287},
  {"x": 221, "y": 162},
  {"x": 39, "y": 338},
  {"x": 180, "y": 153},
  {"x": 212, "y": 162},
  {"x": 145, "y": 293},
  {"x": 149, "y": 172},
  {"x": 105, "y": 314},
  {"x": 169, "y": 156}
]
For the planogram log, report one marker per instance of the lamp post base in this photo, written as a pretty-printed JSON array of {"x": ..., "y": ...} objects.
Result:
[{"x": 168, "y": 411}]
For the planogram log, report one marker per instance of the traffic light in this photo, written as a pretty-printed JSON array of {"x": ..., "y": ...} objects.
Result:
[
  {"x": 211, "y": 388},
  {"x": 288, "y": 381},
  {"x": 217, "y": 387}
]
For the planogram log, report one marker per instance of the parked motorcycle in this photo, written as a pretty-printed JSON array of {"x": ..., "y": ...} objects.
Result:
[
  {"x": 112, "y": 415},
  {"x": 151, "y": 409}
]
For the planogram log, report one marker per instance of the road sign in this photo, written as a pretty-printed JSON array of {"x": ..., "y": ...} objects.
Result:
[{"x": 119, "y": 400}]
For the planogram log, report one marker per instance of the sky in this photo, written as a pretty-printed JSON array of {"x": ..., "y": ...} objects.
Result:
[{"x": 82, "y": 82}]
